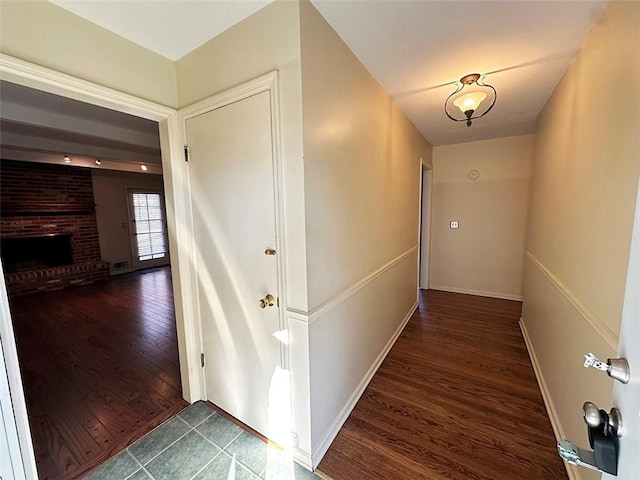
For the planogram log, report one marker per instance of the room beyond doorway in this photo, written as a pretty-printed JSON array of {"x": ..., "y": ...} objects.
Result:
[{"x": 100, "y": 368}]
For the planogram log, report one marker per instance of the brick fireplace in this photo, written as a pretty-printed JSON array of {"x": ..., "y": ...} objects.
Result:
[{"x": 48, "y": 230}]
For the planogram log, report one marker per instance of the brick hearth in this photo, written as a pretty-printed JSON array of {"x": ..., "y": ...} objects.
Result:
[{"x": 40, "y": 199}]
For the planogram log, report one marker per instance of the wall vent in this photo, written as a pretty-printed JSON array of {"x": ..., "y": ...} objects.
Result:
[{"x": 123, "y": 264}]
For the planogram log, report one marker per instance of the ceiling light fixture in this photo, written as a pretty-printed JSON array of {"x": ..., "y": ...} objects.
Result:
[
  {"x": 143, "y": 168},
  {"x": 469, "y": 96},
  {"x": 98, "y": 162},
  {"x": 67, "y": 159}
]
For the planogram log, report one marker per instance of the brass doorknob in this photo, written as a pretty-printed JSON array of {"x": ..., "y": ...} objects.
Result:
[{"x": 268, "y": 301}]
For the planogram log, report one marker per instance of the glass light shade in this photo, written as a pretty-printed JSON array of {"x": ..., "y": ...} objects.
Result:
[{"x": 469, "y": 101}]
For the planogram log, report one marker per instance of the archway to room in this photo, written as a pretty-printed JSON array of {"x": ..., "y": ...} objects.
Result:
[{"x": 87, "y": 268}]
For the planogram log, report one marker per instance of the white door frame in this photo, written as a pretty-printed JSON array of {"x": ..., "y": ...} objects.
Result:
[
  {"x": 426, "y": 173},
  {"x": 265, "y": 83},
  {"x": 177, "y": 208}
]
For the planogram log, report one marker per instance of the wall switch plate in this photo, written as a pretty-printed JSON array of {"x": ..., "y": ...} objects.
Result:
[{"x": 454, "y": 224}]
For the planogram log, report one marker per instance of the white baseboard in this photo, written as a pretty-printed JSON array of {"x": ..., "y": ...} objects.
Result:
[
  {"x": 572, "y": 470},
  {"x": 503, "y": 296},
  {"x": 303, "y": 458},
  {"x": 351, "y": 403}
]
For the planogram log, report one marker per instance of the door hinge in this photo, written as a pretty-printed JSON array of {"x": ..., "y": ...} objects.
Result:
[
  {"x": 202, "y": 359},
  {"x": 186, "y": 153}
]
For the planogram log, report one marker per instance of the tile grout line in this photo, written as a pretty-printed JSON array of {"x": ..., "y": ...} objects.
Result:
[
  {"x": 141, "y": 466},
  {"x": 231, "y": 441},
  {"x": 191, "y": 429},
  {"x": 207, "y": 464},
  {"x": 168, "y": 446}
]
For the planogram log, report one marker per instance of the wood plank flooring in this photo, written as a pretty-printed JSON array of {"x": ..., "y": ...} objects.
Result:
[
  {"x": 455, "y": 399},
  {"x": 100, "y": 368}
]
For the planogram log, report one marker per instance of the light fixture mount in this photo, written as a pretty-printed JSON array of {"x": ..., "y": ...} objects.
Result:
[
  {"x": 469, "y": 79},
  {"x": 473, "y": 98}
]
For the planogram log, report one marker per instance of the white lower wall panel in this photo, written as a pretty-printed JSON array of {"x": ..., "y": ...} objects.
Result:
[
  {"x": 558, "y": 336},
  {"x": 349, "y": 342}
]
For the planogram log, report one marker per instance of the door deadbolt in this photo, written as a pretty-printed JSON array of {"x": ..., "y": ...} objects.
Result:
[
  {"x": 616, "y": 368},
  {"x": 269, "y": 251},
  {"x": 268, "y": 301}
]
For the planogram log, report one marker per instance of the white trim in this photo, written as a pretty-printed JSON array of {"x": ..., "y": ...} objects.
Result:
[
  {"x": 466, "y": 291},
  {"x": 330, "y": 436},
  {"x": 13, "y": 420},
  {"x": 28, "y": 74},
  {"x": 336, "y": 300},
  {"x": 179, "y": 222},
  {"x": 303, "y": 458},
  {"x": 31, "y": 75},
  {"x": 425, "y": 226},
  {"x": 265, "y": 83},
  {"x": 607, "y": 334},
  {"x": 572, "y": 470}
]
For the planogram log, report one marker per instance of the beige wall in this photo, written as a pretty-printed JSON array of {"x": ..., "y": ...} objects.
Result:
[
  {"x": 47, "y": 35},
  {"x": 585, "y": 180},
  {"x": 362, "y": 177},
  {"x": 484, "y": 256},
  {"x": 114, "y": 226}
]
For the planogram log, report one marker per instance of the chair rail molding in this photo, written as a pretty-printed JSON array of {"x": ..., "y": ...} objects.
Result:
[
  {"x": 319, "y": 311},
  {"x": 607, "y": 334}
]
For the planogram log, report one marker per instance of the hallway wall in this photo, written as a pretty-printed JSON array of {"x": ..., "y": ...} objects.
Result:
[
  {"x": 585, "y": 180},
  {"x": 484, "y": 256},
  {"x": 362, "y": 160}
]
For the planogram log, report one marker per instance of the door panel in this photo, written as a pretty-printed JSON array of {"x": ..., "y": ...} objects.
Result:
[
  {"x": 627, "y": 397},
  {"x": 232, "y": 184}
]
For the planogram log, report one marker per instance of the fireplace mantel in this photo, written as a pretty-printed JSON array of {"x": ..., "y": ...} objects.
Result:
[{"x": 24, "y": 209}]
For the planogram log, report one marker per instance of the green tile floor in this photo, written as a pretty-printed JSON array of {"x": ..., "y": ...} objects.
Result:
[{"x": 200, "y": 444}]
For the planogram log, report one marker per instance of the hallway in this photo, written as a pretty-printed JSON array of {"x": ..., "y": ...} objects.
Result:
[{"x": 456, "y": 398}]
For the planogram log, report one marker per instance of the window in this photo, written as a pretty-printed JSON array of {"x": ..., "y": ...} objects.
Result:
[{"x": 149, "y": 226}]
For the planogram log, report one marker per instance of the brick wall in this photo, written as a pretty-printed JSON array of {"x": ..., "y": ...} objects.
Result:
[{"x": 39, "y": 199}]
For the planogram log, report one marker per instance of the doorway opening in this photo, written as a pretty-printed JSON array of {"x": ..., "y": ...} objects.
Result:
[
  {"x": 96, "y": 337},
  {"x": 425, "y": 227}
]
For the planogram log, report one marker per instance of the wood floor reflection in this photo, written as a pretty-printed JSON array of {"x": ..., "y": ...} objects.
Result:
[
  {"x": 100, "y": 368},
  {"x": 455, "y": 399}
]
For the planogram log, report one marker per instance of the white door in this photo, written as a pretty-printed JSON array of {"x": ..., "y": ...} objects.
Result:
[
  {"x": 231, "y": 169},
  {"x": 627, "y": 397}
]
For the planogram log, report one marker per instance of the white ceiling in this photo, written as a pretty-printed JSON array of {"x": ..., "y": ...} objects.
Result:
[
  {"x": 171, "y": 28},
  {"x": 40, "y": 126},
  {"x": 416, "y": 49}
]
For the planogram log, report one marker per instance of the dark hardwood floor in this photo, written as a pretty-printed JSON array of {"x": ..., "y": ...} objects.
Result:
[
  {"x": 455, "y": 399},
  {"x": 100, "y": 368}
]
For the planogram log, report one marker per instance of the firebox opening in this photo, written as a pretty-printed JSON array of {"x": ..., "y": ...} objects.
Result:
[{"x": 31, "y": 253}]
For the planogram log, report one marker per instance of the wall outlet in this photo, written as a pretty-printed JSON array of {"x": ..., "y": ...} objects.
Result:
[{"x": 454, "y": 224}]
